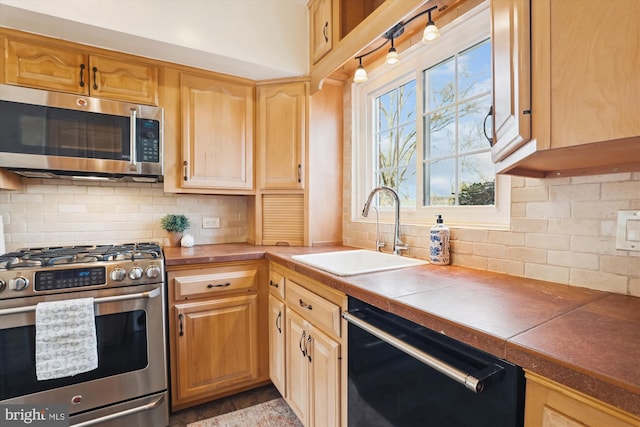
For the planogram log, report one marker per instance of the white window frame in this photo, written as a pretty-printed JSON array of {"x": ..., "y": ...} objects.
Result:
[{"x": 459, "y": 35}]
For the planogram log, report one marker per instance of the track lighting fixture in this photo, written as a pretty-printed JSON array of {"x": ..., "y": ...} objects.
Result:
[{"x": 430, "y": 34}]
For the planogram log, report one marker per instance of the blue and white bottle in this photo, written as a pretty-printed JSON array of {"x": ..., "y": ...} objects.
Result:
[{"x": 439, "y": 243}]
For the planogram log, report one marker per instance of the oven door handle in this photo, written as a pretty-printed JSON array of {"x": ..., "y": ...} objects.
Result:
[
  {"x": 149, "y": 406},
  {"x": 470, "y": 381},
  {"x": 148, "y": 294}
]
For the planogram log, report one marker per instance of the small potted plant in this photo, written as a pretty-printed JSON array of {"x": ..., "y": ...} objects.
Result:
[{"x": 175, "y": 225}]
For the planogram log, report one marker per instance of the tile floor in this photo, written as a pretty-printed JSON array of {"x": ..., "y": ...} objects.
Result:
[{"x": 224, "y": 405}]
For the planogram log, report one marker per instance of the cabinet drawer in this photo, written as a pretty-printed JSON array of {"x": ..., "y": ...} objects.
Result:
[
  {"x": 203, "y": 285},
  {"x": 276, "y": 284},
  {"x": 314, "y": 308}
]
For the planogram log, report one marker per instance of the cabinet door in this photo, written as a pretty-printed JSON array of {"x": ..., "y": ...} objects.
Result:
[
  {"x": 277, "y": 344},
  {"x": 321, "y": 28},
  {"x": 324, "y": 354},
  {"x": 44, "y": 67},
  {"x": 282, "y": 135},
  {"x": 549, "y": 404},
  {"x": 217, "y": 344},
  {"x": 511, "y": 45},
  {"x": 124, "y": 81},
  {"x": 297, "y": 370},
  {"x": 217, "y": 133}
]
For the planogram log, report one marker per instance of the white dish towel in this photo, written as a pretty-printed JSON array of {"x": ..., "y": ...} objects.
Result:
[{"x": 66, "y": 342}]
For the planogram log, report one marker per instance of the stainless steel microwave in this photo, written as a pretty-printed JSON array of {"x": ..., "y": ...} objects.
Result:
[{"x": 52, "y": 134}]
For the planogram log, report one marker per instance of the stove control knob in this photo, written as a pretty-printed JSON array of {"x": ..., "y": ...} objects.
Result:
[
  {"x": 152, "y": 271},
  {"x": 118, "y": 274},
  {"x": 18, "y": 283},
  {"x": 135, "y": 273},
  {"x": 2, "y": 285}
]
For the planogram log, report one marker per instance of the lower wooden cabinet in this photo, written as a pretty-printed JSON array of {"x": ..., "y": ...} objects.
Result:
[
  {"x": 217, "y": 344},
  {"x": 277, "y": 344},
  {"x": 309, "y": 347},
  {"x": 217, "y": 330},
  {"x": 549, "y": 404}
]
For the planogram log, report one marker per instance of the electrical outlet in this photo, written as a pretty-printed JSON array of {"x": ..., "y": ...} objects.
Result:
[{"x": 210, "y": 222}]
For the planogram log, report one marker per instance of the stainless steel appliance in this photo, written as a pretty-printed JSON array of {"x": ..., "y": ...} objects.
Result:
[
  {"x": 129, "y": 387},
  {"x": 52, "y": 134},
  {"x": 401, "y": 374}
]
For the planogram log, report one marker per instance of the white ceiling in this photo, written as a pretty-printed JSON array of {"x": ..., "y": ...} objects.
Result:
[{"x": 256, "y": 39}]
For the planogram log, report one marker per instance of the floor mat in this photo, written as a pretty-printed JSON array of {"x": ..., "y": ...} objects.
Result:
[{"x": 274, "y": 413}]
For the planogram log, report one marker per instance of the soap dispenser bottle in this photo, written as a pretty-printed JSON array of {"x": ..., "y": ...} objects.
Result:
[{"x": 439, "y": 243}]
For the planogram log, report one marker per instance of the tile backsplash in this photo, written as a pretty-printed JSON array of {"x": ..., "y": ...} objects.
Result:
[{"x": 49, "y": 212}]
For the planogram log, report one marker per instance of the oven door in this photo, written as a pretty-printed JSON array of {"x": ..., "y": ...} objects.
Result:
[{"x": 131, "y": 351}]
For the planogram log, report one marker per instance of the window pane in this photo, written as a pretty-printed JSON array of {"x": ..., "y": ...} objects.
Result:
[
  {"x": 440, "y": 83},
  {"x": 477, "y": 180},
  {"x": 441, "y": 182},
  {"x": 385, "y": 105},
  {"x": 407, "y": 144},
  {"x": 440, "y": 132},
  {"x": 474, "y": 71},
  {"x": 407, "y": 186},
  {"x": 407, "y": 103},
  {"x": 470, "y": 132},
  {"x": 386, "y": 149}
]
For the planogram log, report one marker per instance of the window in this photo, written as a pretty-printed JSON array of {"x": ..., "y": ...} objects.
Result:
[{"x": 419, "y": 128}]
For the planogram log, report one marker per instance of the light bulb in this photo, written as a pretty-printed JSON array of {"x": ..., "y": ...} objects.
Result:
[
  {"x": 392, "y": 56},
  {"x": 361, "y": 75},
  {"x": 431, "y": 33}
]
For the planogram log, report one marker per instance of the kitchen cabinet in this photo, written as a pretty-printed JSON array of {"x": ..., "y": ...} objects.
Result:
[
  {"x": 217, "y": 330},
  {"x": 320, "y": 28},
  {"x": 584, "y": 89},
  {"x": 208, "y": 133},
  {"x": 282, "y": 134},
  {"x": 549, "y": 404},
  {"x": 315, "y": 375},
  {"x": 277, "y": 332},
  {"x": 43, "y": 65},
  {"x": 284, "y": 210}
]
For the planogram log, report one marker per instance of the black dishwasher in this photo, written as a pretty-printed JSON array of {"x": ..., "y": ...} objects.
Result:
[{"x": 402, "y": 374}]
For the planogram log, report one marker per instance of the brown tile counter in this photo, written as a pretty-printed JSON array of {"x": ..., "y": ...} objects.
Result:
[{"x": 588, "y": 340}]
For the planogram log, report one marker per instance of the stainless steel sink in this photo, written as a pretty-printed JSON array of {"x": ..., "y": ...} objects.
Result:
[{"x": 348, "y": 263}]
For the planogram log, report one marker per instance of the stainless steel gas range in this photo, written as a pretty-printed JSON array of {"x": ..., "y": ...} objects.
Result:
[{"x": 126, "y": 282}]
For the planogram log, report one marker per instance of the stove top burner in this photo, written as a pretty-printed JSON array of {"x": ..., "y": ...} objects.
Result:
[{"x": 67, "y": 255}]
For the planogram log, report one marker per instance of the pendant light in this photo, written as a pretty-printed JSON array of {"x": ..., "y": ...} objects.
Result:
[
  {"x": 361, "y": 73},
  {"x": 392, "y": 56},
  {"x": 431, "y": 32}
]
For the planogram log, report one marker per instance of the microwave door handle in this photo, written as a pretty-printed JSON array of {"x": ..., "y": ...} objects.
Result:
[{"x": 132, "y": 140}]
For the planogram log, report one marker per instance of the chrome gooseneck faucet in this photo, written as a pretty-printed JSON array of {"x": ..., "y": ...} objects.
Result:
[{"x": 398, "y": 245}]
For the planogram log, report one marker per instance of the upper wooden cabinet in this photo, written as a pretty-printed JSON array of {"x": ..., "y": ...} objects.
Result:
[
  {"x": 282, "y": 134},
  {"x": 320, "y": 28},
  {"x": 208, "y": 133},
  {"x": 585, "y": 89},
  {"x": 53, "y": 67}
]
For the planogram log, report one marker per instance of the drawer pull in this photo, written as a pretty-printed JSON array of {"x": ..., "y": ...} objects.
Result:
[
  {"x": 220, "y": 285},
  {"x": 302, "y": 341},
  {"x": 274, "y": 284},
  {"x": 308, "y": 347},
  {"x": 303, "y": 305},
  {"x": 180, "y": 318},
  {"x": 279, "y": 322}
]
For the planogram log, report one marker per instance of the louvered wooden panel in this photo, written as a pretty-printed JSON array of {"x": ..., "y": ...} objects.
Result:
[{"x": 283, "y": 219}]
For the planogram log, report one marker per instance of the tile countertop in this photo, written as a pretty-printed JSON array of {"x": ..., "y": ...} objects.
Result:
[{"x": 588, "y": 340}]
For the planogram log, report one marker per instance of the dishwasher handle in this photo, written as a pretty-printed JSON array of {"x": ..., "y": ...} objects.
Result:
[{"x": 474, "y": 383}]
